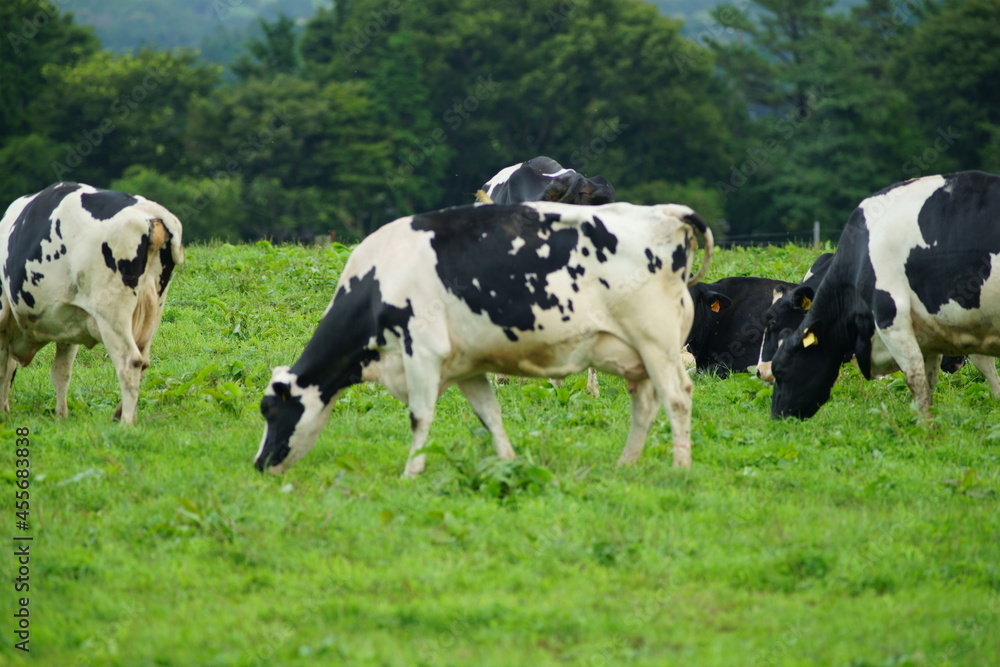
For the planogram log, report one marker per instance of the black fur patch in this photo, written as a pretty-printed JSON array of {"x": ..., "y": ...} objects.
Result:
[
  {"x": 600, "y": 237},
  {"x": 106, "y": 204},
  {"x": 32, "y": 228},
  {"x": 960, "y": 224},
  {"x": 339, "y": 350},
  {"x": 473, "y": 246}
]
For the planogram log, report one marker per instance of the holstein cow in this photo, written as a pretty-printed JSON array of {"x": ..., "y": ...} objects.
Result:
[
  {"x": 912, "y": 279},
  {"x": 83, "y": 266},
  {"x": 789, "y": 309},
  {"x": 544, "y": 179},
  {"x": 729, "y": 322},
  {"x": 542, "y": 289}
]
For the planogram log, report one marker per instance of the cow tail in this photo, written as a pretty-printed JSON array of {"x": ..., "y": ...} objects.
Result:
[{"x": 699, "y": 226}]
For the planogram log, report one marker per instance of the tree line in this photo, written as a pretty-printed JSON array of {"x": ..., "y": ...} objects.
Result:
[{"x": 768, "y": 116}]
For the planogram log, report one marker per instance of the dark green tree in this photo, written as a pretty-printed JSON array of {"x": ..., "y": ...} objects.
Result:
[
  {"x": 951, "y": 69},
  {"x": 110, "y": 112},
  {"x": 275, "y": 52}
]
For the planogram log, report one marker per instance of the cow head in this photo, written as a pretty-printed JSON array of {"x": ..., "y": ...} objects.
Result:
[
  {"x": 543, "y": 179},
  {"x": 295, "y": 417},
  {"x": 782, "y": 318},
  {"x": 573, "y": 188},
  {"x": 807, "y": 363},
  {"x": 708, "y": 307}
]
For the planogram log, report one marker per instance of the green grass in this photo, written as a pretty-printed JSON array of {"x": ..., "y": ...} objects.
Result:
[{"x": 856, "y": 538}]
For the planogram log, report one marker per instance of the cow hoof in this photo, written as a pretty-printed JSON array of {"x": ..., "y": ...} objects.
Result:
[{"x": 682, "y": 456}]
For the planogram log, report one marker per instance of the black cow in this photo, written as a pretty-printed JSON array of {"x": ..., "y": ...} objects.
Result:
[
  {"x": 912, "y": 280},
  {"x": 785, "y": 314},
  {"x": 729, "y": 322},
  {"x": 544, "y": 179}
]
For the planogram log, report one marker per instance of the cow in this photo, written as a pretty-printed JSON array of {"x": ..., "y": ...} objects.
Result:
[
  {"x": 912, "y": 280},
  {"x": 729, "y": 322},
  {"x": 83, "y": 266},
  {"x": 790, "y": 307},
  {"x": 542, "y": 289},
  {"x": 543, "y": 179}
]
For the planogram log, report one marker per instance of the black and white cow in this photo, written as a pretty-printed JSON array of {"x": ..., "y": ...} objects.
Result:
[
  {"x": 83, "y": 266},
  {"x": 729, "y": 322},
  {"x": 913, "y": 279},
  {"x": 543, "y": 289},
  {"x": 544, "y": 179},
  {"x": 790, "y": 307}
]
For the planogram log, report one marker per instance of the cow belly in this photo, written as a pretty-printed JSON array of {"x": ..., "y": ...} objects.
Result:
[
  {"x": 959, "y": 331},
  {"x": 63, "y": 323}
]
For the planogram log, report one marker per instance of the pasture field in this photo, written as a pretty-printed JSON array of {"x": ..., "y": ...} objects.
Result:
[{"x": 858, "y": 538}]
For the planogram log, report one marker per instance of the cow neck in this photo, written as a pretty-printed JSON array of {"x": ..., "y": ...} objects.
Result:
[{"x": 350, "y": 336}]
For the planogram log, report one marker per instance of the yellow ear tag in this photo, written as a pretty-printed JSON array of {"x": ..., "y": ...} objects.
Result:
[
  {"x": 806, "y": 302},
  {"x": 809, "y": 339},
  {"x": 716, "y": 306}
]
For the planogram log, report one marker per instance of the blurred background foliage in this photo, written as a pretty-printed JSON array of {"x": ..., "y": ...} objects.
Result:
[{"x": 291, "y": 119}]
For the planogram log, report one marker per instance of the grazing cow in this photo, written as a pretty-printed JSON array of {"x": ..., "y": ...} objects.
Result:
[
  {"x": 729, "y": 322},
  {"x": 544, "y": 179},
  {"x": 786, "y": 311},
  {"x": 912, "y": 279},
  {"x": 83, "y": 266},
  {"x": 542, "y": 289}
]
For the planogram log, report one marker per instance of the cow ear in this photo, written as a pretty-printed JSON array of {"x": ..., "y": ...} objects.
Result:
[
  {"x": 718, "y": 302},
  {"x": 865, "y": 325},
  {"x": 802, "y": 297},
  {"x": 809, "y": 338},
  {"x": 282, "y": 390}
]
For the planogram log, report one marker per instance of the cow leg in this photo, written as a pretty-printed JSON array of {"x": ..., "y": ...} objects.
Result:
[
  {"x": 916, "y": 379},
  {"x": 988, "y": 367},
  {"x": 128, "y": 361},
  {"x": 423, "y": 378},
  {"x": 62, "y": 370},
  {"x": 479, "y": 392},
  {"x": 644, "y": 409},
  {"x": 8, "y": 366},
  {"x": 592, "y": 387},
  {"x": 674, "y": 387},
  {"x": 932, "y": 366}
]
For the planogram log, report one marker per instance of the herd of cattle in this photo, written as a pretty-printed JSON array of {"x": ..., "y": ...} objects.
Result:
[{"x": 545, "y": 276}]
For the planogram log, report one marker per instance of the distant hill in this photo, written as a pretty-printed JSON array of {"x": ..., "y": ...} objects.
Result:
[{"x": 219, "y": 28}]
